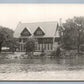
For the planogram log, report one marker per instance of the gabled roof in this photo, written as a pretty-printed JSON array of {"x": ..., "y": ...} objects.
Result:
[{"x": 48, "y": 27}]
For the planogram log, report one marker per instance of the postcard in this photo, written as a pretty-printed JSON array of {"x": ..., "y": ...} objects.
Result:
[{"x": 42, "y": 42}]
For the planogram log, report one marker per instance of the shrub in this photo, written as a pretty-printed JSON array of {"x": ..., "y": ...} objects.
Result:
[
  {"x": 30, "y": 47},
  {"x": 56, "y": 53}
]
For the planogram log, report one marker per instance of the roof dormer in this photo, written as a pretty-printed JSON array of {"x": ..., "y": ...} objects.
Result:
[
  {"x": 25, "y": 32},
  {"x": 39, "y": 32}
]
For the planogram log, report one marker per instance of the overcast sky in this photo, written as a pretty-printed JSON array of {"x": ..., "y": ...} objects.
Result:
[{"x": 11, "y": 14}]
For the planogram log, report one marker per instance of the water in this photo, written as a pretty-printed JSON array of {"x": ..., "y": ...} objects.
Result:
[
  {"x": 42, "y": 68},
  {"x": 10, "y": 65},
  {"x": 45, "y": 60}
]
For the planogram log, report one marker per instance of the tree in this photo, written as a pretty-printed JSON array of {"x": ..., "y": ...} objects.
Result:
[
  {"x": 73, "y": 36},
  {"x": 5, "y": 34},
  {"x": 30, "y": 46},
  {"x": 13, "y": 44},
  {"x": 7, "y": 39}
]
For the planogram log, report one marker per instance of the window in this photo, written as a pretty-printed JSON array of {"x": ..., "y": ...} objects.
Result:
[
  {"x": 38, "y": 46},
  {"x": 39, "y": 32},
  {"x": 48, "y": 46},
  {"x": 51, "y": 46},
  {"x": 45, "y": 40}
]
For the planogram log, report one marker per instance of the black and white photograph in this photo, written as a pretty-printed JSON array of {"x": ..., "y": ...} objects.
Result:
[{"x": 42, "y": 42}]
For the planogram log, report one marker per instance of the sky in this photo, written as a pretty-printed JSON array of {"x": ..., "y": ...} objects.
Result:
[{"x": 12, "y": 14}]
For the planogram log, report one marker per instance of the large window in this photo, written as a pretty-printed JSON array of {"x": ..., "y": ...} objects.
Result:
[{"x": 45, "y": 40}]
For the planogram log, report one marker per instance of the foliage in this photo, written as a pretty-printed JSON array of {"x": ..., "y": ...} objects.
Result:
[
  {"x": 5, "y": 35},
  {"x": 73, "y": 35},
  {"x": 6, "y": 38},
  {"x": 13, "y": 44},
  {"x": 30, "y": 45},
  {"x": 56, "y": 53}
]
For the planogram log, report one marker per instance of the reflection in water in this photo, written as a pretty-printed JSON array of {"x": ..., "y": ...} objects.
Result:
[
  {"x": 46, "y": 60},
  {"x": 40, "y": 64}
]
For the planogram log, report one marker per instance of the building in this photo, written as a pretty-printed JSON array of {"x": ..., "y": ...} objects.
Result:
[{"x": 46, "y": 35}]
